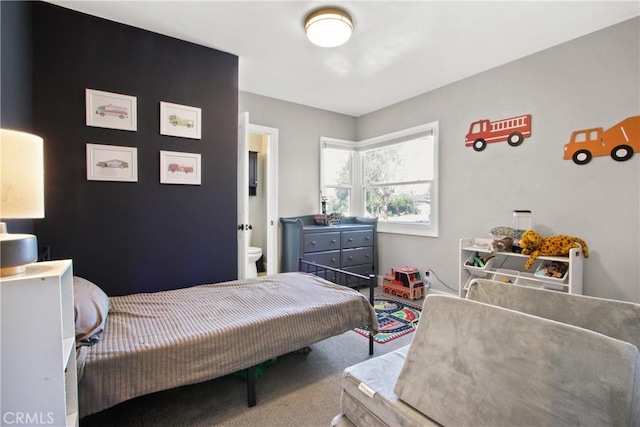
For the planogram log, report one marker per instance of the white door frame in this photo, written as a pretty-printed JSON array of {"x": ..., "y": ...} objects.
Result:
[
  {"x": 271, "y": 177},
  {"x": 271, "y": 185},
  {"x": 243, "y": 192}
]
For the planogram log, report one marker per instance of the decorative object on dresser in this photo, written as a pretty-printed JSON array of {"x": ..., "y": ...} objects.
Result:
[
  {"x": 21, "y": 196},
  {"x": 39, "y": 376},
  {"x": 349, "y": 245}
]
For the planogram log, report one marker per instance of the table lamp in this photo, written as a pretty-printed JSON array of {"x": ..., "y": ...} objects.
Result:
[{"x": 21, "y": 196}]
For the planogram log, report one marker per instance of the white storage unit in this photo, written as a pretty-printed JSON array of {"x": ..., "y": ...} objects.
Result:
[
  {"x": 38, "y": 360},
  {"x": 509, "y": 267}
]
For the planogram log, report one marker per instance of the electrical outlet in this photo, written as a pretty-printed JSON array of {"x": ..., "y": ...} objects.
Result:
[{"x": 427, "y": 280}]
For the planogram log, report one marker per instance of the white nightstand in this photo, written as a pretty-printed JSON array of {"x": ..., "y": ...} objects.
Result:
[{"x": 38, "y": 361}]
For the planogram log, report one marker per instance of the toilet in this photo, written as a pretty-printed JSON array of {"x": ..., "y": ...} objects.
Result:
[{"x": 253, "y": 254}]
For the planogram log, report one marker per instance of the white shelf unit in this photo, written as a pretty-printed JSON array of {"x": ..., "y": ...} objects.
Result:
[
  {"x": 511, "y": 267},
  {"x": 37, "y": 357}
]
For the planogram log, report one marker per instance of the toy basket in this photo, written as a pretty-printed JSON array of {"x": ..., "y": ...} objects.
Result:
[
  {"x": 505, "y": 275},
  {"x": 553, "y": 271},
  {"x": 478, "y": 263},
  {"x": 331, "y": 219}
]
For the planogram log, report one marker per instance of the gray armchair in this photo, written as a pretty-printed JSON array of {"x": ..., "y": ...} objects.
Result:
[{"x": 505, "y": 356}]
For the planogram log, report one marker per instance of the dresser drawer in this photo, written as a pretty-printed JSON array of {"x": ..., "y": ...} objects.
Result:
[
  {"x": 356, "y": 239},
  {"x": 331, "y": 258},
  {"x": 318, "y": 242},
  {"x": 351, "y": 257}
]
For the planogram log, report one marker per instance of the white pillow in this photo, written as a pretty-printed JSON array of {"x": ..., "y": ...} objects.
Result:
[{"x": 91, "y": 309}]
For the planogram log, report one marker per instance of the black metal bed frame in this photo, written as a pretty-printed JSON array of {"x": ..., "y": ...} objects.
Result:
[
  {"x": 320, "y": 271},
  {"x": 323, "y": 270}
]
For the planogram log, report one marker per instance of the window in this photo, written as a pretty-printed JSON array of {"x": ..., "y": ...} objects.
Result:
[
  {"x": 337, "y": 175},
  {"x": 392, "y": 177}
]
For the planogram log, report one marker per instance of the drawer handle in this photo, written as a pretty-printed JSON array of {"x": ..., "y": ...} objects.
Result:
[
  {"x": 350, "y": 258},
  {"x": 366, "y": 255},
  {"x": 350, "y": 239},
  {"x": 333, "y": 260},
  {"x": 313, "y": 242},
  {"x": 333, "y": 240},
  {"x": 367, "y": 238}
]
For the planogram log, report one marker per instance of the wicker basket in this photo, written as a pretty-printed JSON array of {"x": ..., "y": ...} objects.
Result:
[{"x": 331, "y": 219}]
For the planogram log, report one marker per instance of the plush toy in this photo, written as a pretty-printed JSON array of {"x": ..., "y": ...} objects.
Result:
[{"x": 535, "y": 245}]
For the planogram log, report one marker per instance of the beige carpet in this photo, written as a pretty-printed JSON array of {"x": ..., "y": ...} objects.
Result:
[{"x": 299, "y": 390}]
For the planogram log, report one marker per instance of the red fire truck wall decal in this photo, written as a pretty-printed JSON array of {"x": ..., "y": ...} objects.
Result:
[
  {"x": 513, "y": 130},
  {"x": 620, "y": 142}
]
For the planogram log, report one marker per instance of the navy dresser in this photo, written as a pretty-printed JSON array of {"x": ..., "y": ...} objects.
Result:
[{"x": 349, "y": 245}]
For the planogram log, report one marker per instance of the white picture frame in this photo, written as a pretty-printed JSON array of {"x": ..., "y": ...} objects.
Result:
[
  {"x": 180, "y": 120},
  {"x": 112, "y": 163},
  {"x": 180, "y": 168},
  {"x": 111, "y": 110}
]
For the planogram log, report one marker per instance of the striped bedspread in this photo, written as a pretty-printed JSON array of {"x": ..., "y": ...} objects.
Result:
[{"x": 163, "y": 340}]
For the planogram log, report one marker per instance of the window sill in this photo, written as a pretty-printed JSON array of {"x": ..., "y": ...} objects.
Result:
[{"x": 407, "y": 229}]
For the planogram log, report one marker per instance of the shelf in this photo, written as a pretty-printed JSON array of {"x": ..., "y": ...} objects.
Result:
[
  {"x": 514, "y": 254},
  {"x": 571, "y": 283},
  {"x": 39, "y": 376}
]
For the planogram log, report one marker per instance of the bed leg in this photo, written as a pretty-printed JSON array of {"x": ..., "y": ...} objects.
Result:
[
  {"x": 372, "y": 285},
  {"x": 251, "y": 386}
]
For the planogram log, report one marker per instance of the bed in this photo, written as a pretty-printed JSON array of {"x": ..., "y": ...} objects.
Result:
[{"x": 157, "y": 341}]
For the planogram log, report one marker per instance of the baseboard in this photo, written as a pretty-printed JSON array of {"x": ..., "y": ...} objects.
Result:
[
  {"x": 429, "y": 291},
  {"x": 438, "y": 292}
]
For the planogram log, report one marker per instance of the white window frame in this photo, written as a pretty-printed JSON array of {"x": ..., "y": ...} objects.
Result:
[
  {"x": 357, "y": 174},
  {"x": 341, "y": 144}
]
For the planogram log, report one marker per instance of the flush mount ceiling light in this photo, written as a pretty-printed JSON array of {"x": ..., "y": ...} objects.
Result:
[{"x": 329, "y": 27}]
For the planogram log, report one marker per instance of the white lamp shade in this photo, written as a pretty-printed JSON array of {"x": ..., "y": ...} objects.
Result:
[
  {"x": 21, "y": 175},
  {"x": 328, "y": 27}
]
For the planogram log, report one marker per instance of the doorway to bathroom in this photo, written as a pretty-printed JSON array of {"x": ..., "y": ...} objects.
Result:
[{"x": 260, "y": 211}]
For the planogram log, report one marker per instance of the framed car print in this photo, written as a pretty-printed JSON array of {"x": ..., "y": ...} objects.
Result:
[
  {"x": 112, "y": 163},
  {"x": 179, "y": 168},
  {"x": 111, "y": 110},
  {"x": 180, "y": 120}
]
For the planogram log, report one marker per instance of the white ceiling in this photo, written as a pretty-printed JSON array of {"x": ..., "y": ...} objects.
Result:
[{"x": 399, "y": 49}]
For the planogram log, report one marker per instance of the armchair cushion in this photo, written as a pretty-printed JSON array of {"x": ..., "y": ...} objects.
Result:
[
  {"x": 616, "y": 319},
  {"x": 471, "y": 363}
]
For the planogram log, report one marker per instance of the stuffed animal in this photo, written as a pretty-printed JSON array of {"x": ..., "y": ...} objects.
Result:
[{"x": 535, "y": 245}]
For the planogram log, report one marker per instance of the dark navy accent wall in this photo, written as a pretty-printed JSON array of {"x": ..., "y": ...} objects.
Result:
[
  {"x": 143, "y": 236},
  {"x": 15, "y": 103}
]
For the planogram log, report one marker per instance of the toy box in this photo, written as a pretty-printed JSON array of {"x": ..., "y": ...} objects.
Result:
[{"x": 404, "y": 282}]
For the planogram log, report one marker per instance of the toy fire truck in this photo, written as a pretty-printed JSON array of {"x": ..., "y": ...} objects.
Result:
[{"x": 404, "y": 282}]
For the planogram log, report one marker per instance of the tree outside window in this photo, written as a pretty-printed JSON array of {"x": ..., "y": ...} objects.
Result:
[
  {"x": 392, "y": 177},
  {"x": 397, "y": 181}
]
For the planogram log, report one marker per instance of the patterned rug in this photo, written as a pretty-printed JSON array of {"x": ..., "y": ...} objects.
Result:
[{"x": 395, "y": 319}]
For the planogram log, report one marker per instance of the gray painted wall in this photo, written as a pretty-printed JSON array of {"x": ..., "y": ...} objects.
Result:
[
  {"x": 299, "y": 131},
  {"x": 588, "y": 82}
]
